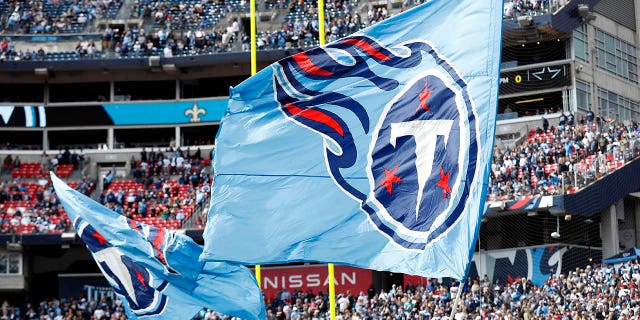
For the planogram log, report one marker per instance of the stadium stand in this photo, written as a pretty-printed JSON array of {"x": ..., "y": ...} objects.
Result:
[
  {"x": 595, "y": 291},
  {"x": 36, "y": 17},
  {"x": 515, "y": 8},
  {"x": 199, "y": 25},
  {"x": 556, "y": 161},
  {"x": 561, "y": 160},
  {"x": 165, "y": 192},
  {"x": 193, "y": 27},
  {"x": 31, "y": 207},
  {"x": 198, "y": 22},
  {"x": 565, "y": 158},
  {"x": 164, "y": 203},
  {"x": 300, "y": 23}
]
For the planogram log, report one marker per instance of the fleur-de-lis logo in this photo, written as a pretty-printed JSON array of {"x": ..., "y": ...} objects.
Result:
[{"x": 195, "y": 113}]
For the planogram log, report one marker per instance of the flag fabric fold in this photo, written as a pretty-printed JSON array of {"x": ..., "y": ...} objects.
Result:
[
  {"x": 372, "y": 151},
  {"x": 157, "y": 272}
]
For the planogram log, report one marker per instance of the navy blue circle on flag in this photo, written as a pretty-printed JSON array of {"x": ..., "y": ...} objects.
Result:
[{"x": 423, "y": 153}]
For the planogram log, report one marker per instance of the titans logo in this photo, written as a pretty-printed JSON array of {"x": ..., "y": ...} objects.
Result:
[
  {"x": 131, "y": 280},
  {"x": 400, "y": 118}
]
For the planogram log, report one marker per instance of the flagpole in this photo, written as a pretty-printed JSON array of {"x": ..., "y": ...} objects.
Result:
[
  {"x": 252, "y": 18},
  {"x": 466, "y": 270},
  {"x": 258, "y": 276},
  {"x": 458, "y": 294},
  {"x": 254, "y": 70},
  {"x": 332, "y": 290},
  {"x": 321, "y": 33},
  {"x": 330, "y": 266}
]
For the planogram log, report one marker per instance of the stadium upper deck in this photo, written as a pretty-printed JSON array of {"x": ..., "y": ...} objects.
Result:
[{"x": 190, "y": 27}]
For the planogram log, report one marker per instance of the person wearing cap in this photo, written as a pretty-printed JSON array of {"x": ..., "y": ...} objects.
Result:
[{"x": 295, "y": 313}]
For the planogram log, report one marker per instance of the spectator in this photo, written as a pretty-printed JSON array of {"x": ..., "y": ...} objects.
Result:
[
  {"x": 7, "y": 164},
  {"x": 590, "y": 117},
  {"x": 107, "y": 179}
]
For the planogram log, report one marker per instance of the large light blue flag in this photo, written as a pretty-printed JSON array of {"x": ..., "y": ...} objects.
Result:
[
  {"x": 156, "y": 272},
  {"x": 373, "y": 151}
]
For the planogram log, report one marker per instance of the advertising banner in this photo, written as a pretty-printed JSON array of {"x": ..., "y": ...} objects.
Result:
[{"x": 313, "y": 278}]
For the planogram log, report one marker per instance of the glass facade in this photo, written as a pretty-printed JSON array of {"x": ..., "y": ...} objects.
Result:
[
  {"x": 581, "y": 43},
  {"x": 583, "y": 96},
  {"x": 616, "y": 56},
  {"x": 617, "y": 107},
  {"x": 10, "y": 263}
]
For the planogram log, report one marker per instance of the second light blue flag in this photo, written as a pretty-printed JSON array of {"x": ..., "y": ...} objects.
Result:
[{"x": 156, "y": 272}]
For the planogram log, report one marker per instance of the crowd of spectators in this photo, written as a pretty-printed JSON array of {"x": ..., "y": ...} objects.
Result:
[
  {"x": 66, "y": 309},
  {"x": 27, "y": 200},
  {"x": 58, "y": 16},
  {"x": 555, "y": 160},
  {"x": 85, "y": 48},
  {"x": 165, "y": 41},
  {"x": 192, "y": 27},
  {"x": 9, "y": 53},
  {"x": 513, "y": 8},
  {"x": 181, "y": 34},
  {"x": 170, "y": 185},
  {"x": 300, "y": 27},
  {"x": 182, "y": 15},
  {"x": 71, "y": 159},
  {"x": 552, "y": 160},
  {"x": 32, "y": 207},
  {"x": 593, "y": 292}
]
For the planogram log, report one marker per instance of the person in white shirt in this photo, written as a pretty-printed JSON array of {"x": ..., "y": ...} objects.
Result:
[
  {"x": 343, "y": 303},
  {"x": 167, "y": 51},
  {"x": 235, "y": 28}
]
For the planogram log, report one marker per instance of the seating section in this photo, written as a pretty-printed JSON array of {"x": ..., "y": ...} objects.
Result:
[
  {"x": 566, "y": 156},
  {"x": 28, "y": 170},
  {"x": 64, "y": 170},
  {"x": 70, "y": 55},
  {"x": 167, "y": 206},
  {"x": 30, "y": 207},
  {"x": 54, "y": 17},
  {"x": 168, "y": 187},
  {"x": 299, "y": 26},
  {"x": 181, "y": 14},
  {"x": 187, "y": 27},
  {"x": 112, "y": 9},
  {"x": 34, "y": 170}
]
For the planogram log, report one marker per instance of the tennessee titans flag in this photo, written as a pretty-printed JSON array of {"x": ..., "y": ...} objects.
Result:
[
  {"x": 372, "y": 151},
  {"x": 157, "y": 272}
]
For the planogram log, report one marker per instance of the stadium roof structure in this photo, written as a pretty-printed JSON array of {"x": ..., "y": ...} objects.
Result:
[
  {"x": 101, "y": 69},
  {"x": 544, "y": 27},
  {"x": 627, "y": 255}
]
